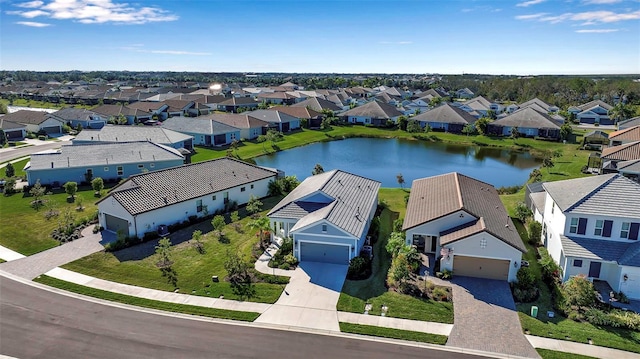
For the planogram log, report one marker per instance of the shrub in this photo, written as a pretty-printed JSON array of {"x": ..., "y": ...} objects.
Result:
[
  {"x": 359, "y": 268},
  {"x": 291, "y": 259},
  {"x": 526, "y": 279},
  {"x": 579, "y": 291},
  {"x": 285, "y": 266},
  {"x": 439, "y": 294},
  {"x": 535, "y": 232}
]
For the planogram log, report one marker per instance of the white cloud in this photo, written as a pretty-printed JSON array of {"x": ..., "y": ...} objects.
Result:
[
  {"x": 596, "y": 31},
  {"x": 95, "y": 12},
  {"x": 529, "y": 3},
  {"x": 32, "y": 24},
  {"x": 531, "y": 16},
  {"x": 601, "y": 2},
  {"x": 586, "y": 18}
]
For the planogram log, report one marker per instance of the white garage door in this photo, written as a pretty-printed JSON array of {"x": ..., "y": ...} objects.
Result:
[
  {"x": 325, "y": 253},
  {"x": 114, "y": 224},
  {"x": 481, "y": 267}
]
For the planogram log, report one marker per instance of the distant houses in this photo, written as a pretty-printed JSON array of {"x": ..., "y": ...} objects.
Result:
[
  {"x": 528, "y": 122},
  {"x": 445, "y": 118}
]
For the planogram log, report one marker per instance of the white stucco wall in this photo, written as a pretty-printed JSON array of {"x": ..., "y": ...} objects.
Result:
[
  {"x": 433, "y": 228},
  {"x": 630, "y": 287}
]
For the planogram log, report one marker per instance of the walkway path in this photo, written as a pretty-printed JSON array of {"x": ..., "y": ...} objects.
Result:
[{"x": 485, "y": 318}]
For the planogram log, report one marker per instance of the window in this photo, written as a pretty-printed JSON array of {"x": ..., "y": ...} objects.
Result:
[
  {"x": 483, "y": 243},
  {"x": 226, "y": 197},
  {"x": 624, "y": 232},
  {"x": 577, "y": 262},
  {"x": 573, "y": 228},
  {"x": 199, "y": 205},
  {"x": 152, "y": 165},
  {"x": 599, "y": 226},
  {"x": 213, "y": 198},
  {"x": 324, "y": 228},
  {"x": 242, "y": 189},
  {"x": 106, "y": 169},
  {"x": 120, "y": 171},
  {"x": 251, "y": 186}
]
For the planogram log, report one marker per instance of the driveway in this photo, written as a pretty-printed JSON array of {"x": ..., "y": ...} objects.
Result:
[
  {"x": 485, "y": 318},
  {"x": 310, "y": 298}
]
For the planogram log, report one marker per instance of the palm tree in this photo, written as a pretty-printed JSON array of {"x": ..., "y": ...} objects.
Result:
[
  {"x": 620, "y": 112},
  {"x": 263, "y": 226}
]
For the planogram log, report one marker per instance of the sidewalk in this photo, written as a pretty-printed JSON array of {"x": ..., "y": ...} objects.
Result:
[
  {"x": 579, "y": 348},
  {"x": 262, "y": 264},
  {"x": 395, "y": 323}
]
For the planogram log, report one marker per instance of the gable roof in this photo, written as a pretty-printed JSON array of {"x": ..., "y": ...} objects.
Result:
[
  {"x": 536, "y": 101},
  {"x": 478, "y": 103},
  {"x": 111, "y": 133},
  {"x": 298, "y": 112},
  {"x": 434, "y": 197},
  {"x": 446, "y": 114},
  {"x": 26, "y": 117},
  {"x": 149, "y": 106},
  {"x": 235, "y": 101},
  {"x": 102, "y": 154},
  {"x": 148, "y": 191},
  {"x": 527, "y": 118},
  {"x": 240, "y": 120},
  {"x": 625, "y": 152},
  {"x": 8, "y": 125},
  {"x": 373, "y": 109},
  {"x": 197, "y": 125},
  {"x": 72, "y": 113},
  {"x": 628, "y": 134},
  {"x": 630, "y": 122},
  {"x": 595, "y": 103},
  {"x": 115, "y": 110},
  {"x": 350, "y": 199},
  {"x": 632, "y": 166},
  {"x": 271, "y": 116},
  {"x": 317, "y": 104}
]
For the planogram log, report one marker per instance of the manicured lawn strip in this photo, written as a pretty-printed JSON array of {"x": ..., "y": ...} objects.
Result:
[
  {"x": 393, "y": 333},
  {"x": 355, "y": 294},
  {"x": 148, "y": 303},
  {"x": 19, "y": 169},
  {"x": 137, "y": 265},
  {"x": 26, "y": 231},
  {"x": 552, "y": 354}
]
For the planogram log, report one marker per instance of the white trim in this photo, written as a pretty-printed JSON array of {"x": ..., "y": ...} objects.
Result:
[
  {"x": 320, "y": 222},
  {"x": 325, "y": 235}
]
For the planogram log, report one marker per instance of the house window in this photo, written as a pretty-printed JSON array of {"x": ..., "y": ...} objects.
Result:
[
  {"x": 152, "y": 165},
  {"x": 242, "y": 189},
  {"x": 199, "y": 205},
  {"x": 577, "y": 262},
  {"x": 483, "y": 243},
  {"x": 573, "y": 228},
  {"x": 624, "y": 233},
  {"x": 599, "y": 226},
  {"x": 213, "y": 198},
  {"x": 226, "y": 197},
  {"x": 251, "y": 186},
  {"x": 553, "y": 207},
  {"x": 106, "y": 169},
  {"x": 324, "y": 228},
  {"x": 120, "y": 171}
]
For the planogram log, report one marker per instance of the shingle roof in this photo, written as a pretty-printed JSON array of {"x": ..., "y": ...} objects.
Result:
[
  {"x": 8, "y": 125},
  {"x": 148, "y": 106},
  {"x": 632, "y": 166},
  {"x": 197, "y": 125},
  {"x": 626, "y": 152},
  {"x": 271, "y": 116},
  {"x": 115, "y": 110},
  {"x": 350, "y": 198},
  {"x": 26, "y": 117},
  {"x": 598, "y": 249},
  {"x": 148, "y": 191},
  {"x": 438, "y": 196},
  {"x": 373, "y": 109},
  {"x": 537, "y": 102},
  {"x": 527, "y": 118},
  {"x": 298, "y": 112},
  {"x": 111, "y": 133},
  {"x": 446, "y": 114},
  {"x": 478, "y": 103},
  {"x": 627, "y": 135},
  {"x": 103, "y": 154},
  {"x": 591, "y": 104},
  {"x": 630, "y": 122},
  {"x": 317, "y": 104},
  {"x": 71, "y": 113},
  {"x": 235, "y": 101},
  {"x": 239, "y": 120}
]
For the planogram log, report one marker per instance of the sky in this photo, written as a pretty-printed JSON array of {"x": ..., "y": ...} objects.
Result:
[{"x": 521, "y": 37}]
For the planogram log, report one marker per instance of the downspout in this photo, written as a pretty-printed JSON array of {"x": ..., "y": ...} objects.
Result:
[{"x": 135, "y": 225}]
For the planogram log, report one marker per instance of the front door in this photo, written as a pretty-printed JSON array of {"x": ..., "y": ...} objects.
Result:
[{"x": 594, "y": 269}]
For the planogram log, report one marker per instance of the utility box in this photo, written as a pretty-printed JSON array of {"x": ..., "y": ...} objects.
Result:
[{"x": 534, "y": 311}]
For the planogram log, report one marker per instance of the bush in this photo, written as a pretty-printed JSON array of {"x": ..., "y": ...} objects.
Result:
[
  {"x": 535, "y": 232},
  {"x": 359, "y": 268},
  {"x": 579, "y": 291}
]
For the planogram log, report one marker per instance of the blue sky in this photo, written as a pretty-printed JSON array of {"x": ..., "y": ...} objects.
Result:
[{"x": 355, "y": 36}]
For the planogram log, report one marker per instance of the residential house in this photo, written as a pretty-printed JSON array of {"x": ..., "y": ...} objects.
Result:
[
  {"x": 35, "y": 121},
  {"x": 280, "y": 121},
  {"x": 114, "y": 111},
  {"x": 541, "y": 104},
  {"x": 118, "y": 134},
  {"x": 177, "y": 107},
  {"x": 462, "y": 222},
  {"x": 629, "y": 169},
  {"x": 109, "y": 161},
  {"x": 591, "y": 226},
  {"x": 528, "y": 122},
  {"x": 327, "y": 216},
  {"x": 236, "y": 104},
  {"x": 629, "y": 123},
  {"x": 629, "y": 134},
  {"x": 12, "y": 131},
  {"x": 445, "y": 118},
  {"x": 79, "y": 116},
  {"x": 610, "y": 156},
  {"x": 249, "y": 126},
  {"x": 373, "y": 113},
  {"x": 313, "y": 118},
  {"x": 477, "y": 107},
  {"x": 317, "y": 104},
  {"x": 145, "y": 201},
  {"x": 464, "y": 93},
  {"x": 593, "y": 112},
  {"x": 158, "y": 110},
  {"x": 205, "y": 132},
  {"x": 277, "y": 98}
]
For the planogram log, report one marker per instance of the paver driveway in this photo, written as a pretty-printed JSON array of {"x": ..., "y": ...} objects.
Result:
[
  {"x": 485, "y": 318},
  {"x": 310, "y": 298}
]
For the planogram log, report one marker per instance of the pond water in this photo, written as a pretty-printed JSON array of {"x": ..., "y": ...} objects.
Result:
[{"x": 384, "y": 159}]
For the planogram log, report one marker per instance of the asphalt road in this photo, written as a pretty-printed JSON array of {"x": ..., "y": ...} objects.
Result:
[
  {"x": 14, "y": 153},
  {"x": 36, "y": 323}
]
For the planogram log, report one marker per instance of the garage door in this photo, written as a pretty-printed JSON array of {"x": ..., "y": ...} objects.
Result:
[
  {"x": 115, "y": 224},
  {"x": 326, "y": 253},
  {"x": 52, "y": 129},
  {"x": 481, "y": 267}
]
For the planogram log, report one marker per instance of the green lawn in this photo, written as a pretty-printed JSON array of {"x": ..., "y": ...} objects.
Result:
[
  {"x": 393, "y": 333},
  {"x": 42, "y": 104},
  {"x": 551, "y": 354},
  {"x": 18, "y": 167},
  {"x": 148, "y": 303},
  {"x": 136, "y": 265},
  {"x": 355, "y": 294},
  {"x": 26, "y": 231}
]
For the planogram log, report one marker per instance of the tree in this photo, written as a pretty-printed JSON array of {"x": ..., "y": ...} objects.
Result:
[
  {"x": 413, "y": 126},
  {"x": 263, "y": 226},
  {"x": 37, "y": 191},
  {"x": 196, "y": 238},
  {"x": 9, "y": 186},
  {"x": 71, "y": 188},
  {"x": 262, "y": 139},
  {"x": 579, "y": 291},
  {"x": 3, "y": 108},
  {"x": 427, "y": 128},
  {"x": 218, "y": 224},
  {"x": 523, "y": 212},
  {"x": 274, "y": 136},
  {"x": 482, "y": 124},
  {"x": 398, "y": 272},
  {"x": 515, "y": 133},
  {"x": 548, "y": 163},
  {"x": 620, "y": 112},
  {"x": 10, "y": 171},
  {"x": 395, "y": 243},
  {"x": 163, "y": 250},
  {"x": 254, "y": 205},
  {"x": 239, "y": 275},
  {"x": 492, "y": 114},
  {"x": 235, "y": 219},
  {"x": 317, "y": 169},
  {"x": 565, "y": 131},
  {"x": 98, "y": 185},
  {"x": 400, "y": 180},
  {"x": 402, "y": 123},
  {"x": 469, "y": 129}
]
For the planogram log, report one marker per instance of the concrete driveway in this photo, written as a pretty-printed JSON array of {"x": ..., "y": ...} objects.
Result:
[
  {"x": 485, "y": 318},
  {"x": 310, "y": 298}
]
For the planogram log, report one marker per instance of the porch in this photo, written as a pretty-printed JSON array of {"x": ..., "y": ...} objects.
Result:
[{"x": 605, "y": 295}]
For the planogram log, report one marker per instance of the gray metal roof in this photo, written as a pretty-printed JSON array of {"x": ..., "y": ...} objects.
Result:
[
  {"x": 598, "y": 249},
  {"x": 103, "y": 154},
  {"x": 350, "y": 199},
  {"x": 148, "y": 191},
  {"x": 197, "y": 125},
  {"x": 632, "y": 166},
  {"x": 539, "y": 200},
  {"x": 113, "y": 133}
]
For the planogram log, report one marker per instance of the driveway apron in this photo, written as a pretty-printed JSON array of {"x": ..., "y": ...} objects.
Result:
[
  {"x": 485, "y": 318},
  {"x": 310, "y": 298}
]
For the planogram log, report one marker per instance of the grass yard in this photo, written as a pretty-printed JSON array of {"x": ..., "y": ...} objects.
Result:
[
  {"x": 26, "y": 231},
  {"x": 551, "y": 354},
  {"x": 355, "y": 294},
  {"x": 393, "y": 333},
  {"x": 136, "y": 265},
  {"x": 18, "y": 167},
  {"x": 148, "y": 303}
]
